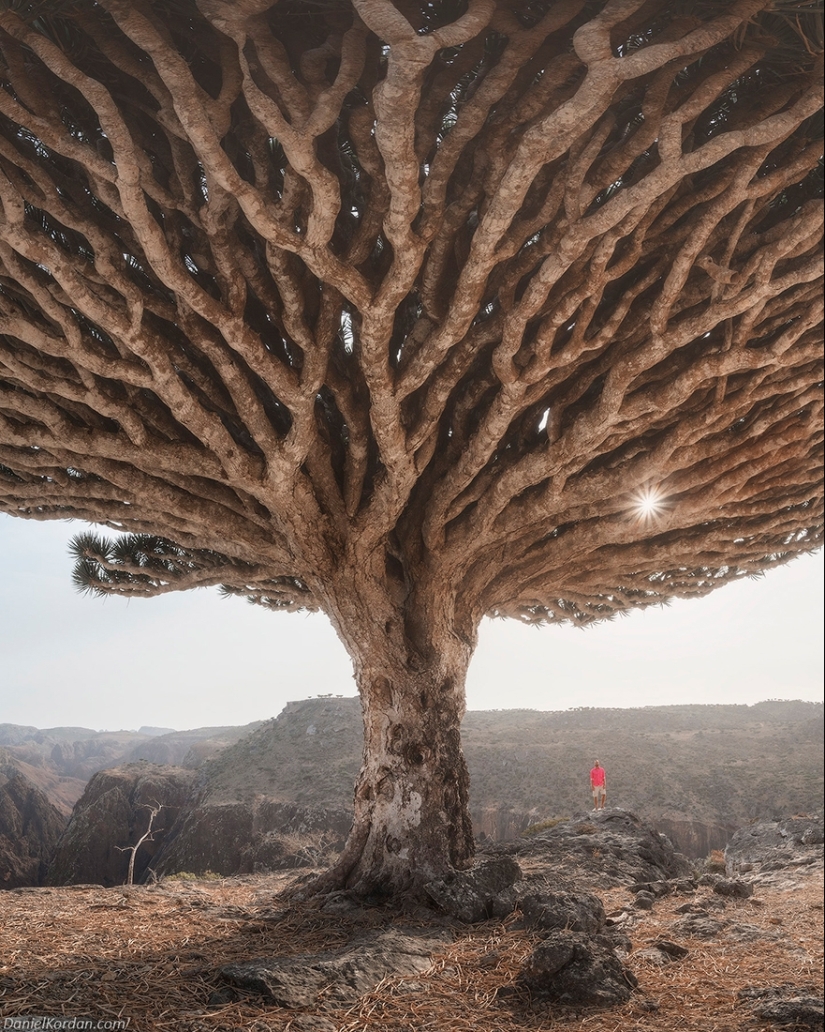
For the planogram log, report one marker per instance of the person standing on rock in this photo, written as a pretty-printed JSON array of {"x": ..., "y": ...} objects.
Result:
[{"x": 598, "y": 784}]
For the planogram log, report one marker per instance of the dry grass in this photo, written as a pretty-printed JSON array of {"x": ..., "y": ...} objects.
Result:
[{"x": 151, "y": 954}]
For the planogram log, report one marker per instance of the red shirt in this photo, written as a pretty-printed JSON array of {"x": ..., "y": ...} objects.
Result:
[{"x": 597, "y": 776}]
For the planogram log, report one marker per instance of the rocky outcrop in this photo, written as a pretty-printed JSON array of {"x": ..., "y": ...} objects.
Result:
[
  {"x": 577, "y": 961},
  {"x": 771, "y": 850},
  {"x": 282, "y": 795},
  {"x": 695, "y": 839},
  {"x": 336, "y": 976},
  {"x": 616, "y": 846},
  {"x": 726, "y": 764},
  {"x": 190, "y": 833},
  {"x": 112, "y": 816},
  {"x": 61, "y": 760},
  {"x": 29, "y": 830}
]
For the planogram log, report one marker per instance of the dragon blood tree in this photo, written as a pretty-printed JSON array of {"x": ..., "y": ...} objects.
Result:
[{"x": 411, "y": 313}]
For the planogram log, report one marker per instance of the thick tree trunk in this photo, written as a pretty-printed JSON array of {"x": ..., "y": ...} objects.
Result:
[{"x": 411, "y": 812}]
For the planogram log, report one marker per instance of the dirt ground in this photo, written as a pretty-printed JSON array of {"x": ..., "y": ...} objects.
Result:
[{"x": 150, "y": 955}]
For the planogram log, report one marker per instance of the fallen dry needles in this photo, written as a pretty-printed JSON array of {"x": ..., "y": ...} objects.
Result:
[{"x": 152, "y": 954}]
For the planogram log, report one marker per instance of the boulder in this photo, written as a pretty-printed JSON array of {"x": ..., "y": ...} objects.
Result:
[
  {"x": 550, "y": 911},
  {"x": 475, "y": 895},
  {"x": 574, "y": 969}
]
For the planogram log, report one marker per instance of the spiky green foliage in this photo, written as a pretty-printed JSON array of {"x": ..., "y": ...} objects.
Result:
[{"x": 147, "y": 565}]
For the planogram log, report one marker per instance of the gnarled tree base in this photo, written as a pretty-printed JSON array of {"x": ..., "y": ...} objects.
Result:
[{"x": 411, "y": 821}]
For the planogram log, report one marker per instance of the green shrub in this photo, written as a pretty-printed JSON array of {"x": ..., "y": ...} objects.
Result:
[
  {"x": 188, "y": 876},
  {"x": 715, "y": 863},
  {"x": 551, "y": 822}
]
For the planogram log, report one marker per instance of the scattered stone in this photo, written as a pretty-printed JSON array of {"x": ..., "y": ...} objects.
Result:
[
  {"x": 653, "y": 955},
  {"x": 481, "y": 893},
  {"x": 672, "y": 949},
  {"x": 734, "y": 887},
  {"x": 684, "y": 885},
  {"x": 662, "y": 952},
  {"x": 655, "y": 888},
  {"x": 574, "y": 969},
  {"x": 716, "y": 902},
  {"x": 342, "y": 975},
  {"x": 743, "y": 932},
  {"x": 696, "y": 926},
  {"x": 691, "y": 908},
  {"x": 786, "y": 1005}
]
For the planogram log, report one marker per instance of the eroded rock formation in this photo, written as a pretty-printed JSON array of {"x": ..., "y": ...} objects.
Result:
[
  {"x": 112, "y": 816},
  {"x": 29, "y": 830}
]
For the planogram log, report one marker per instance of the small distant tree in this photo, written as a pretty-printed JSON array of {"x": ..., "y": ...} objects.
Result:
[{"x": 413, "y": 312}]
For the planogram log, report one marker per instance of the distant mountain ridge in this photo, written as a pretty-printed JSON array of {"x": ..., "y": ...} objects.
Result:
[{"x": 723, "y": 765}]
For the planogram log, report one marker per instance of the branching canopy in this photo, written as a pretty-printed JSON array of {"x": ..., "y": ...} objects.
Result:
[{"x": 523, "y": 297}]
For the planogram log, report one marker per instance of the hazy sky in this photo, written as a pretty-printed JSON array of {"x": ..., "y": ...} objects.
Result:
[{"x": 192, "y": 659}]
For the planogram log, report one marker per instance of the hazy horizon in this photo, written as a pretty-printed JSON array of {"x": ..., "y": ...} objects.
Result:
[
  {"x": 519, "y": 709},
  {"x": 192, "y": 659}
]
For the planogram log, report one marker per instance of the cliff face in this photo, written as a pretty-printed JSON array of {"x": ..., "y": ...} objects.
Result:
[
  {"x": 29, "y": 830},
  {"x": 111, "y": 817},
  {"x": 695, "y": 838},
  {"x": 278, "y": 797},
  {"x": 246, "y": 837}
]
